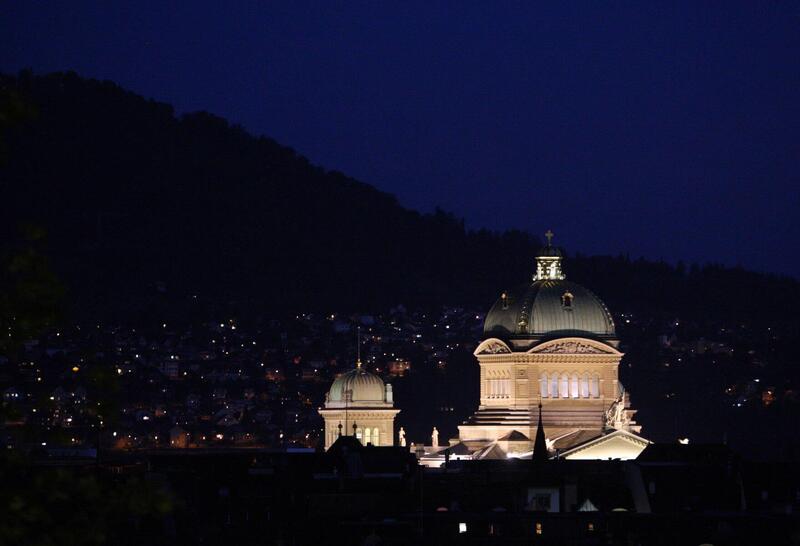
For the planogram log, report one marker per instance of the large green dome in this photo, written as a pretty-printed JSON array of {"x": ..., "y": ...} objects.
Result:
[
  {"x": 546, "y": 309},
  {"x": 549, "y": 307}
]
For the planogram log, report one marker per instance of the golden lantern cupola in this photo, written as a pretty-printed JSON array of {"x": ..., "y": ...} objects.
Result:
[{"x": 548, "y": 262}]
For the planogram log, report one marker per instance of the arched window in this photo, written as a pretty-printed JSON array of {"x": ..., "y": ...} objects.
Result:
[
  {"x": 585, "y": 385},
  {"x": 594, "y": 387},
  {"x": 573, "y": 386},
  {"x": 563, "y": 386},
  {"x": 554, "y": 385},
  {"x": 543, "y": 385},
  {"x": 375, "y": 440},
  {"x": 358, "y": 434},
  {"x": 367, "y": 436},
  {"x": 566, "y": 299}
]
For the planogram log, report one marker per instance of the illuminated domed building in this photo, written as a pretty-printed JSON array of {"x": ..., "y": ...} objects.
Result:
[
  {"x": 359, "y": 403},
  {"x": 550, "y": 342}
]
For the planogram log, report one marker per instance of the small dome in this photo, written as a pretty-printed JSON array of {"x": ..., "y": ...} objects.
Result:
[
  {"x": 549, "y": 308},
  {"x": 362, "y": 386}
]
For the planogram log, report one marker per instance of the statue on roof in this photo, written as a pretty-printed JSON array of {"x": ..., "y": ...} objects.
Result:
[{"x": 616, "y": 416}]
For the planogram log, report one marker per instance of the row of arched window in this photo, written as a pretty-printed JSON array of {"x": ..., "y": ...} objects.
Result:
[
  {"x": 368, "y": 436},
  {"x": 364, "y": 435},
  {"x": 499, "y": 388},
  {"x": 563, "y": 385}
]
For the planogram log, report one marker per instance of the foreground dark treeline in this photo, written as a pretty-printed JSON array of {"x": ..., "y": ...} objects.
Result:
[
  {"x": 365, "y": 495},
  {"x": 138, "y": 202}
]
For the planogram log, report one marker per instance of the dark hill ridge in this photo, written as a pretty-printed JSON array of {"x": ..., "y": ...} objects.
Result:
[
  {"x": 132, "y": 194},
  {"x": 135, "y": 197}
]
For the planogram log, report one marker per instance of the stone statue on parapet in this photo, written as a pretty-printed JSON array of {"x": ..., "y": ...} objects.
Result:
[{"x": 616, "y": 416}]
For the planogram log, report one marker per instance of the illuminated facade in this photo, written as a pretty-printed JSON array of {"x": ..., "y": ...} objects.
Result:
[
  {"x": 550, "y": 342},
  {"x": 359, "y": 404}
]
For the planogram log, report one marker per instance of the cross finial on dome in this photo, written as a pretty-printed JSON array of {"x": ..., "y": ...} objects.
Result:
[{"x": 549, "y": 236}]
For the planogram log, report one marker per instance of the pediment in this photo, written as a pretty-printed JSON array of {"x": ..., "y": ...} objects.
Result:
[
  {"x": 574, "y": 346},
  {"x": 492, "y": 346},
  {"x": 616, "y": 445}
]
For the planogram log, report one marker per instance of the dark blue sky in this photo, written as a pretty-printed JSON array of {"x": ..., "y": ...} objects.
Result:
[{"x": 668, "y": 131}]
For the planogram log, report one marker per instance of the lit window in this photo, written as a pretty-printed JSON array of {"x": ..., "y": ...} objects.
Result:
[
  {"x": 585, "y": 386},
  {"x": 594, "y": 386},
  {"x": 462, "y": 528},
  {"x": 538, "y": 528},
  {"x": 563, "y": 386},
  {"x": 566, "y": 299}
]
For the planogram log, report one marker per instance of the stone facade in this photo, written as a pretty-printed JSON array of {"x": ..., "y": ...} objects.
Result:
[
  {"x": 359, "y": 404},
  {"x": 575, "y": 379},
  {"x": 550, "y": 346},
  {"x": 367, "y": 421}
]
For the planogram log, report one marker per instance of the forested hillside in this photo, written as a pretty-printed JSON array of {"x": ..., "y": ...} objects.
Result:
[{"x": 138, "y": 201}]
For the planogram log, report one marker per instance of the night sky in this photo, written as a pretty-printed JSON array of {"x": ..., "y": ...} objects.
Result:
[{"x": 670, "y": 132}]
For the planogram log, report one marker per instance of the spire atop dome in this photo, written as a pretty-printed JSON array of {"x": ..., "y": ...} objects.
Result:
[
  {"x": 358, "y": 348},
  {"x": 548, "y": 262},
  {"x": 362, "y": 395}
]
